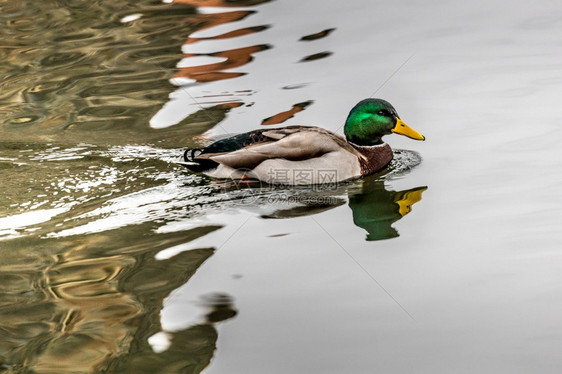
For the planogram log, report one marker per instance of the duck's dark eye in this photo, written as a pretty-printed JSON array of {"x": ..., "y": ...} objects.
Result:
[{"x": 383, "y": 112}]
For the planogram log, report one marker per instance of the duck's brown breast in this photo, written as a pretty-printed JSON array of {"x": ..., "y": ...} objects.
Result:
[{"x": 373, "y": 158}]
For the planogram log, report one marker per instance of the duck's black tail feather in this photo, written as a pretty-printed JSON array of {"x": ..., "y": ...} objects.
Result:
[
  {"x": 190, "y": 154},
  {"x": 197, "y": 165},
  {"x": 230, "y": 144}
]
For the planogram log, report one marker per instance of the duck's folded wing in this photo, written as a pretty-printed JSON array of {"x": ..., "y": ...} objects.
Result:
[{"x": 291, "y": 145}]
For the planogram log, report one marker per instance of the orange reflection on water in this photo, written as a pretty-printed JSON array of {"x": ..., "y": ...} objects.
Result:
[
  {"x": 211, "y": 72},
  {"x": 206, "y": 21},
  {"x": 230, "y": 34},
  {"x": 235, "y": 57},
  {"x": 288, "y": 114}
]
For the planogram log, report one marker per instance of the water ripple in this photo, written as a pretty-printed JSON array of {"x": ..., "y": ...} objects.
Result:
[{"x": 77, "y": 73}]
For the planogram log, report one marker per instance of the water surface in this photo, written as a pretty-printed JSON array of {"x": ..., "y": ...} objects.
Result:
[{"x": 115, "y": 259}]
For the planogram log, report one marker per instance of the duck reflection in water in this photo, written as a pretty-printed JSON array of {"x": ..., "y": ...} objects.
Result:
[{"x": 375, "y": 207}]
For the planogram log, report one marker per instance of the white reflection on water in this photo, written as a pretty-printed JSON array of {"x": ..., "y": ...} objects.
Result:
[
  {"x": 95, "y": 174},
  {"x": 144, "y": 206},
  {"x": 9, "y": 226}
]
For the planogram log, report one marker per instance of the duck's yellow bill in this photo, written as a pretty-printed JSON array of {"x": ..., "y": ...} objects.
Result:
[{"x": 403, "y": 129}]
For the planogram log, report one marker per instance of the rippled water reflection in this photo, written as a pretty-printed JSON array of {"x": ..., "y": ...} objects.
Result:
[
  {"x": 78, "y": 72},
  {"x": 115, "y": 259},
  {"x": 102, "y": 236}
]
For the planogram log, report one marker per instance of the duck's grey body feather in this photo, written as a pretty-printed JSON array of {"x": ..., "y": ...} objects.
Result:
[{"x": 293, "y": 155}]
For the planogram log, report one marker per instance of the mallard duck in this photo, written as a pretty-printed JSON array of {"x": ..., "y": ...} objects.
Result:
[{"x": 300, "y": 155}]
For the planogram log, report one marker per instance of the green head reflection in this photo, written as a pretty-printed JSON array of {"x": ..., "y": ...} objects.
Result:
[{"x": 375, "y": 208}]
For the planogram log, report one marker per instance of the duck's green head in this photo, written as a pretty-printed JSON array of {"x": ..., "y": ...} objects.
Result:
[{"x": 371, "y": 119}]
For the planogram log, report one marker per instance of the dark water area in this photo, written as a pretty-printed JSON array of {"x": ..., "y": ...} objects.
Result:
[
  {"x": 74, "y": 72},
  {"x": 116, "y": 259}
]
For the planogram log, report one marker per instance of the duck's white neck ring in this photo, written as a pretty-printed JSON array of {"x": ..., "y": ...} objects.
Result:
[{"x": 366, "y": 146}]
